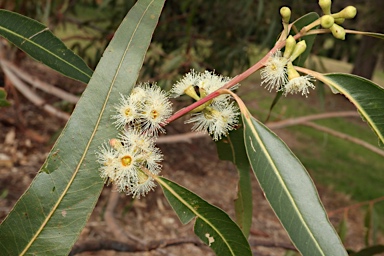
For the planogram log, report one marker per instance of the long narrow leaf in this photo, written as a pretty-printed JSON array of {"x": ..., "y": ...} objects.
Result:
[
  {"x": 37, "y": 41},
  {"x": 290, "y": 191},
  {"x": 49, "y": 217},
  {"x": 213, "y": 226},
  {"x": 367, "y": 97}
]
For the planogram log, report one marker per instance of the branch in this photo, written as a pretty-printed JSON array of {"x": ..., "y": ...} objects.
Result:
[
  {"x": 187, "y": 137},
  {"x": 31, "y": 95},
  {"x": 345, "y": 137},
  {"x": 111, "y": 221},
  {"x": 48, "y": 88},
  {"x": 357, "y": 205},
  {"x": 303, "y": 119},
  {"x": 131, "y": 247}
]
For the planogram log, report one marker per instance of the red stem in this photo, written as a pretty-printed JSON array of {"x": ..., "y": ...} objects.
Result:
[{"x": 231, "y": 83}]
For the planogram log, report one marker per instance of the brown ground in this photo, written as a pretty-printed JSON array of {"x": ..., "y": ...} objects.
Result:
[{"x": 27, "y": 133}]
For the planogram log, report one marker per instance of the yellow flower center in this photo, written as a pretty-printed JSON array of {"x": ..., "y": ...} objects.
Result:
[
  {"x": 127, "y": 111},
  {"x": 126, "y": 160},
  {"x": 154, "y": 114}
]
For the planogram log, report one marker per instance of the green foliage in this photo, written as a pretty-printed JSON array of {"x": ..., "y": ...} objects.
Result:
[
  {"x": 64, "y": 193},
  {"x": 50, "y": 215},
  {"x": 35, "y": 39},
  {"x": 364, "y": 94},
  {"x": 214, "y": 227},
  {"x": 290, "y": 191}
]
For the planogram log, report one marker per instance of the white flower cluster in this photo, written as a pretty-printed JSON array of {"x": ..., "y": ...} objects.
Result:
[
  {"x": 219, "y": 115},
  {"x": 131, "y": 159},
  {"x": 279, "y": 73}
]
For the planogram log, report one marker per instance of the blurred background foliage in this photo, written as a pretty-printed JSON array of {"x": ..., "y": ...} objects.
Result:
[{"x": 223, "y": 36}]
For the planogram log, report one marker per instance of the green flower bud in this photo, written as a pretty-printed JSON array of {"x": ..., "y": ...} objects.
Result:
[
  {"x": 203, "y": 94},
  {"x": 299, "y": 49},
  {"x": 327, "y": 21},
  {"x": 339, "y": 21},
  {"x": 285, "y": 13},
  {"x": 348, "y": 12},
  {"x": 290, "y": 44},
  {"x": 338, "y": 31},
  {"x": 190, "y": 91},
  {"x": 292, "y": 72},
  {"x": 325, "y": 6}
]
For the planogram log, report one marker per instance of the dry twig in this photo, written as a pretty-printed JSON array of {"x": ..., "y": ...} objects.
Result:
[{"x": 31, "y": 95}]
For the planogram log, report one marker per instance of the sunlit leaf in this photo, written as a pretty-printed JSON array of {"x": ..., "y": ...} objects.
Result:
[
  {"x": 290, "y": 191},
  {"x": 212, "y": 225},
  {"x": 37, "y": 41},
  {"x": 49, "y": 217},
  {"x": 232, "y": 149}
]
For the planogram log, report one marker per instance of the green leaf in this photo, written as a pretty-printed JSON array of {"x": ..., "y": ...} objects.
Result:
[
  {"x": 36, "y": 40},
  {"x": 232, "y": 149},
  {"x": 309, "y": 40},
  {"x": 290, "y": 191},
  {"x": 213, "y": 226},
  {"x": 3, "y": 98},
  {"x": 49, "y": 217},
  {"x": 367, "y": 96}
]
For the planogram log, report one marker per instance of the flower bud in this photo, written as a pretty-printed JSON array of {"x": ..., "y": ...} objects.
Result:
[
  {"x": 339, "y": 21},
  {"x": 327, "y": 21},
  {"x": 190, "y": 91},
  {"x": 338, "y": 31},
  {"x": 115, "y": 143},
  {"x": 292, "y": 72},
  {"x": 285, "y": 13},
  {"x": 299, "y": 49},
  {"x": 290, "y": 44},
  {"x": 325, "y": 6},
  {"x": 348, "y": 12}
]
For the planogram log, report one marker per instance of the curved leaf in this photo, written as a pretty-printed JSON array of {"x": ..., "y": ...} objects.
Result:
[
  {"x": 213, "y": 226},
  {"x": 290, "y": 191},
  {"x": 36, "y": 40},
  {"x": 232, "y": 149},
  {"x": 49, "y": 217},
  {"x": 367, "y": 96}
]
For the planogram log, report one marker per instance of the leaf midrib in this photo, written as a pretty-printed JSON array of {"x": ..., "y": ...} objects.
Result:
[
  {"x": 362, "y": 111},
  {"x": 89, "y": 141},
  {"x": 195, "y": 212},
  {"x": 44, "y": 49},
  {"x": 275, "y": 170}
]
